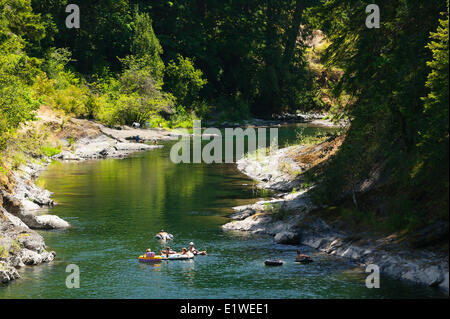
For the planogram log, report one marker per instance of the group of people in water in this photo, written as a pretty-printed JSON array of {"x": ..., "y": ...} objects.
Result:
[
  {"x": 184, "y": 251},
  {"x": 165, "y": 236}
]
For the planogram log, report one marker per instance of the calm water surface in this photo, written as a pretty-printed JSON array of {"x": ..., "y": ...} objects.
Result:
[{"x": 117, "y": 205}]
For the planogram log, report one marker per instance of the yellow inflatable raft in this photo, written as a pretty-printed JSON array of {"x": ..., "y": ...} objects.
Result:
[{"x": 146, "y": 259}]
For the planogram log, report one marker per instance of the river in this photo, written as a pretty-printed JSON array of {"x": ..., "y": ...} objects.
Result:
[{"x": 117, "y": 205}]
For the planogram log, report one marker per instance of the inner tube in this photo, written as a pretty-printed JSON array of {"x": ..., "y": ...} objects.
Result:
[
  {"x": 304, "y": 260},
  {"x": 145, "y": 259},
  {"x": 273, "y": 263},
  {"x": 178, "y": 257}
]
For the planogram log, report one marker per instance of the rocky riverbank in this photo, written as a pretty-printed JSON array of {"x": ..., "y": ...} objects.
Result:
[
  {"x": 278, "y": 120},
  {"x": 24, "y": 205},
  {"x": 291, "y": 218},
  {"x": 19, "y": 246}
]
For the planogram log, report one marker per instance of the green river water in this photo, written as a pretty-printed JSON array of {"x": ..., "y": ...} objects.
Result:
[{"x": 117, "y": 205}]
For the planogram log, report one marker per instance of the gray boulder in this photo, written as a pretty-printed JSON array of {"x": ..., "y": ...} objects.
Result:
[
  {"x": 50, "y": 222},
  {"x": 287, "y": 237},
  {"x": 31, "y": 218},
  {"x": 7, "y": 273}
]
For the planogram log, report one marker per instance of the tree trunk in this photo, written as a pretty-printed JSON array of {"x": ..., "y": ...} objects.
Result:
[{"x": 292, "y": 33}]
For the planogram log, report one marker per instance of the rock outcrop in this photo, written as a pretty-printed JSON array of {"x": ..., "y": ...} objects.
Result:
[
  {"x": 31, "y": 217},
  {"x": 19, "y": 246},
  {"x": 275, "y": 171},
  {"x": 100, "y": 147},
  {"x": 396, "y": 260},
  {"x": 289, "y": 219}
]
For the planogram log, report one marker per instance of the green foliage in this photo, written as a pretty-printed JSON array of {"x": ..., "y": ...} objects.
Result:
[
  {"x": 433, "y": 136},
  {"x": 4, "y": 253},
  {"x": 17, "y": 70},
  {"x": 106, "y": 32},
  {"x": 234, "y": 109},
  {"x": 254, "y": 51},
  {"x": 49, "y": 150},
  {"x": 386, "y": 73},
  {"x": 15, "y": 246},
  {"x": 55, "y": 62},
  {"x": 406, "y": 218},
  {"x": 358, "y": 216},
  {"x": 277, "y": 211},
  {"x": 18, "y": 17},
  {"x": 184, "y": 81},
  {"x": 304, "y": 138},
  {"x": 18, "y": 159},
  {"x": 182, "y": 118},
  {"x": 134, "y": 97},
  {"x": 146, "y": 46}
]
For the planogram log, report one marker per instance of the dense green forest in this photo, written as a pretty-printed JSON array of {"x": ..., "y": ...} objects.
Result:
[
  {"x": 168, "y": 62},
  {"x": 398, "y": 77},
  {"x": 160, "y": 61}
]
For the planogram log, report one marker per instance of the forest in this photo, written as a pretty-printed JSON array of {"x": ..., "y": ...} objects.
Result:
[{"x": 166, "y": 63}]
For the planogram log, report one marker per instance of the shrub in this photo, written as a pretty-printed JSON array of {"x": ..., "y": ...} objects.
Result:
[
  {"x": 146, "y": 46},
  {"x": 18, "y": 159},
  {"x": 233, "y": 109},
  {"x": 73, "y": 100},
  {"x": 3, "y": 252},
  {"x": 49, "y": 151},
  {"x": 16, "y": 73},
  {"x": 15, "y": 246},
  {"x": 54, "y": 65},
  {"x": 184, "y": 81}
]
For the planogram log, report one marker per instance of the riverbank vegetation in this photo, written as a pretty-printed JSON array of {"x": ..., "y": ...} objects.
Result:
[
  {"x": 161, "y": 64},
  {"x": 397, "y": 142}
]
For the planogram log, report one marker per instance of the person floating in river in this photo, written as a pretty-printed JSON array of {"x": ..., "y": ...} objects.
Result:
[
  {"x": 195, "y": 251},
  {"x": 167, "y": 252},
  {"x": 150, "y": 253},
  {"x": 163, "y": 235},
  {"x": 184, "y": 251},
  {"x": 302, "y": 257}
]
